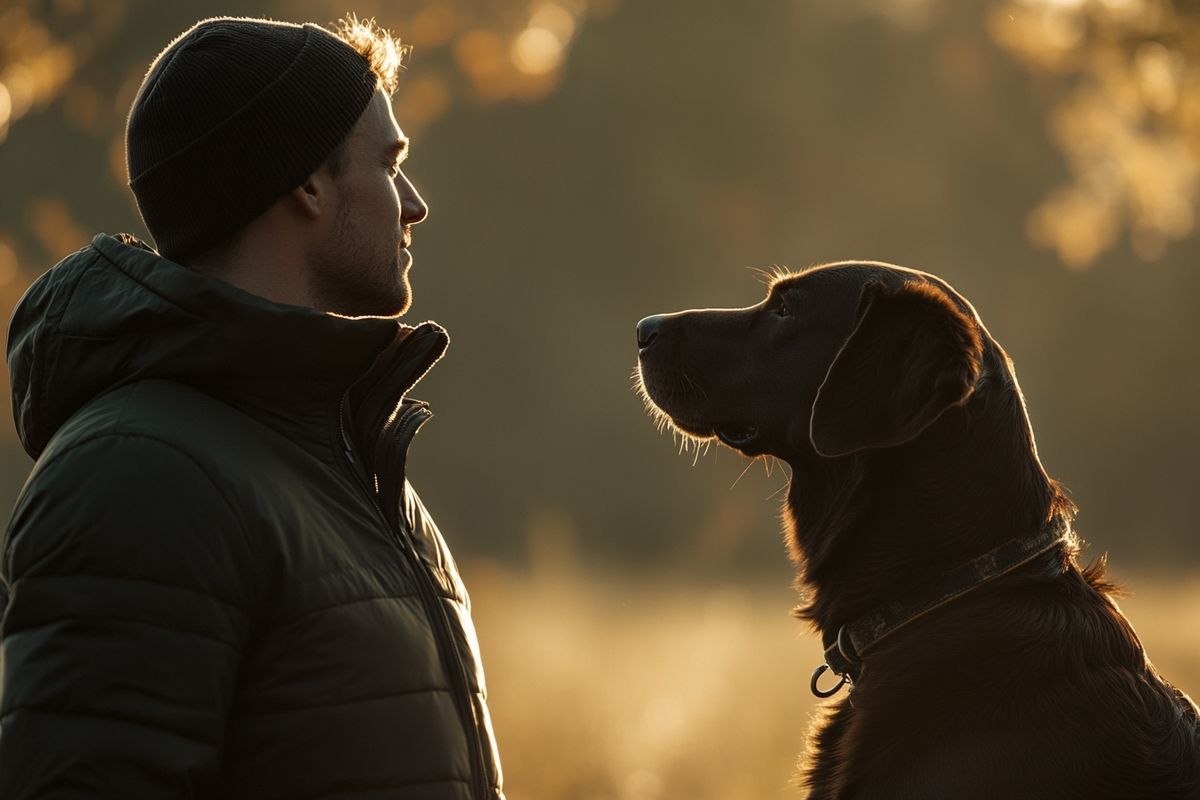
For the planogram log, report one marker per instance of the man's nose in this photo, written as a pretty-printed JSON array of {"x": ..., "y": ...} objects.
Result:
[
  {"x": 412, "y": 207},
  {"x": 647, "y": 331}
]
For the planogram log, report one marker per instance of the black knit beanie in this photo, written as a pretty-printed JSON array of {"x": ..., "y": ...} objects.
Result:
[{"x": 232, "y": 115}]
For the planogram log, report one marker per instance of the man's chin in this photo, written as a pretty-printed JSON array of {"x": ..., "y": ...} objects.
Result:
[
  {"x": 391, "y": 303},
  {"x": 403, "y": 299},
  {"x": 394, "y": 308},
  {"x": 401, "y": 303},
  {"x": 394, "y": 296}
]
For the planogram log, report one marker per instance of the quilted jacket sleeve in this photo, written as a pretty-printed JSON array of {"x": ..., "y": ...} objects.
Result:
[{"x": 129, "y": 579}]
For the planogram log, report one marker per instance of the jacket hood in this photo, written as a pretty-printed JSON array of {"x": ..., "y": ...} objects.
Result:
[{"x": 117, "y": 312}]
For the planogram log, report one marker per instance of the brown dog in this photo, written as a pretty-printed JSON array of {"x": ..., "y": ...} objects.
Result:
[{"x": 937, "y": 553}]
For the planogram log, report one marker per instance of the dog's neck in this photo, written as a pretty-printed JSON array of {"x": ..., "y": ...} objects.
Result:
[{"x": 871, "y": 527}]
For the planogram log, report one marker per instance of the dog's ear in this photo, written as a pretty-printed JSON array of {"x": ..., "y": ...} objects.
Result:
[{"x": 911, "y": 355}]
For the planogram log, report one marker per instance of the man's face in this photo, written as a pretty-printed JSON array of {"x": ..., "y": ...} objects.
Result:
[{"x": 361, "y": 265}]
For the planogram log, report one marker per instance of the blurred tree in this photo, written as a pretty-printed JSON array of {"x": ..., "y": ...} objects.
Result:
[
  {"x": 1130, "y": 125},
  {"x": 590, "y": 163}
]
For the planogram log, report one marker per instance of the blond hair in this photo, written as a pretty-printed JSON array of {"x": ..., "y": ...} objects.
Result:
[{"x": 383, "y": 51}]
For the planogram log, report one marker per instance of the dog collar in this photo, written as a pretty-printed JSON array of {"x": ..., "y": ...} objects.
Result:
[{"x": 844, "y": 650}]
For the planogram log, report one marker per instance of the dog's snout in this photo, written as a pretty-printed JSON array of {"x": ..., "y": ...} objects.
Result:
[{"x": 647, "y": 331}]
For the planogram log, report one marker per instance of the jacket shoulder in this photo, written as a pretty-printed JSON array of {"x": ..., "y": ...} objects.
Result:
[
  {"x": 131, "y": 589},
  {"x": 218, "y": 437}
]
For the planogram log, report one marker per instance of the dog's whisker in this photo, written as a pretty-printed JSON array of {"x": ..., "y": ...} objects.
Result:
[
  {"x": 743, "y": 474},
  {"x": 782, "y": 466},
  {"x": 773, "y": 495},
  {"x": 773, "y": 275},
  {"x": 764, "y": 276},
  {"x": 685, "y": 391},
  {"x": 693, "y": 384}
]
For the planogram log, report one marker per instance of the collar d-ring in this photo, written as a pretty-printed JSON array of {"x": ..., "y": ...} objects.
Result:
[{"x": 816, "y": 676}]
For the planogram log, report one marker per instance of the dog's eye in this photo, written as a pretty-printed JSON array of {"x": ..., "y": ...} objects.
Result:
[{"x": 782, "y": 308}]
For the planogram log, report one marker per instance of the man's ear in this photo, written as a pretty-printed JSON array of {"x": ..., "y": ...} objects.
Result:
[
  {"x": 911, "y": 355},
  {"x": 312, "y": 198}
]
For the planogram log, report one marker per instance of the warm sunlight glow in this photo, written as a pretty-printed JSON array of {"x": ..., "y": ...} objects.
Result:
[
  {"x": 555, "y": 19},
  {"x": 19, "y": 90},
  {"x": 5, "y": 109},
  {"x": 9, "y": 268},
  {"x": 481, "y": 56},
  {"x": 592, "y": 163},
  {"x": 433, "y": 26},
  {"x": 537, "y": 51},
  {"x": 1075, "y": 224},
  {"x": 55, "y": 227},
  {"x": 1159, "y": 72},
  {"x": 423, "y": 98},
  {"x": 643, "y": 687},
  {"x": 1129, "y": 126}
]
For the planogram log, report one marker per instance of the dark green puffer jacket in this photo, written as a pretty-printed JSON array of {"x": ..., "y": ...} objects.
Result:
[{"x": 220, "y": 584}]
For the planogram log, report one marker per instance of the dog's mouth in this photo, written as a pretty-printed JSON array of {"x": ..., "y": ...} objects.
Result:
[
  {"x": 673, "y": 400},
  {"x": 736, "y": 435}
]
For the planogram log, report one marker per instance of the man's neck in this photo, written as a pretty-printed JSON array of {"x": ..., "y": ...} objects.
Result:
[{"x": 263, "y": 265}]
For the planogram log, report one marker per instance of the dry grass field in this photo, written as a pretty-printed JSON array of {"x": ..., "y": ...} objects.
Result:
[{"x": 611, "y": 688}]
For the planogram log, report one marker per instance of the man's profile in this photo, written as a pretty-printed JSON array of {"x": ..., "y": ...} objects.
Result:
[{"x": 219, "y": 582}]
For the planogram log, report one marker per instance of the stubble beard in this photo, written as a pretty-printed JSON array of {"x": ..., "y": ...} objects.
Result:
[{"x": 355, "y": 277}]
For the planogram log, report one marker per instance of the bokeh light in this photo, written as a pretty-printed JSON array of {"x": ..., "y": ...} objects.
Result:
[
  {"x": 1128, "y": 129},
  {"x": 6, "y": 109},
  {"x": 537, "y": 51}
]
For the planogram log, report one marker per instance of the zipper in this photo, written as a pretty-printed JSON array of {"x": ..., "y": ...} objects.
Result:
[{"x": 430, "y": 599}]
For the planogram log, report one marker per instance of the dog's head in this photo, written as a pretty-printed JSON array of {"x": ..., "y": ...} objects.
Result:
[
  {"x": 835, "y": 360},
  {"x": 901, "y": 417},
  {"x": 899, "y": 414}
]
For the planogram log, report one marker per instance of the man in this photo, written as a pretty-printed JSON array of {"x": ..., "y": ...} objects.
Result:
[{"x": 220, "y": 583}]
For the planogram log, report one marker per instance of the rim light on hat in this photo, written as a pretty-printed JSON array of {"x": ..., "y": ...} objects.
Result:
[{"x": 231, "y": 116}]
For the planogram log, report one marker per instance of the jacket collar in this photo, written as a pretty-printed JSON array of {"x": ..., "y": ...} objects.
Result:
[
  {"x": 376, "y": 401},
  {"x": 116, "y": 312},
  {"x": 376, "y": 413},
  {"x": 250, "y": 339}
]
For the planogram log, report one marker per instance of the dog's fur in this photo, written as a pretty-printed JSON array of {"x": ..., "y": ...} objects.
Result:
[{"x": 911, "y": 453}]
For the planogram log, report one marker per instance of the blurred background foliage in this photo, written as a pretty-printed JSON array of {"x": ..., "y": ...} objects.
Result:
[
  {"x": 589, "y": 162},
  {"x": 592, "y": 161}
]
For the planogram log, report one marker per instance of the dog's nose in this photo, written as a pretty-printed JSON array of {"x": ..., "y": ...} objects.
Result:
[{"x": 647, "y": 330}]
